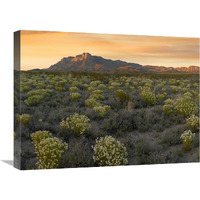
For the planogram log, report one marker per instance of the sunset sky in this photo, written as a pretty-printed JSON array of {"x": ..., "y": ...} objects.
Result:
[{"x": 40, "y": 49}]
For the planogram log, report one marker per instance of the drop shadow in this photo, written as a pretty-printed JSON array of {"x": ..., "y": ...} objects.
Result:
[{"x": 9, "y": 162}]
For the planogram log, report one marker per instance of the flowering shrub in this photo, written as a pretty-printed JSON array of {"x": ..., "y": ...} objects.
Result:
[
  {"x": 169, "y": 102},
  {"x": 76, "y": 123},
  {"x": 60, "y": 89},
  {"x": 109, "y": 152},
  {"x": 61, "y": 83},
  {"x": 161, "y": 96},
  {"x": 101, "y": 86},
  {"x": 42, "y": 92},
  {"x": 33, "y": 100},
  {"x": 196, "y": 86},
  {"x": 38, "y": 136},
  {"x": 91, "y": 89},
  {"x": 188, "y": 95},
  {"x": 185, "y": 90},
  {"x": 73, "y": 89},
  {"x": 122, "y": 95},
  {"x": 174, "y": 89},
  {"x": 111, "y": 88},
  {"x": 187, "y": 137},
  {"x": 193, "y": 122},
  {"x": 97, "y": 92},
  {"x": 49, "y": 152},
  {"x": 135, "y": 83},
  {"x": 101, "y": 110},
  {"x": 24, "y": 88},
  {"x": 75, "y": 95},
  {"x": 163, "y": 90},
  {"x": 36, "y": 96},
  {"x": 24, "y": 118},
  {"x": 94, "y": 83},
  {"x": 194, "y": 94},
  {"x": 75, "y": 83},
  {"x": 148, "y": 96},
  {"x": 91, "y": 103},
  {"x": 85, "y": 85},
  {"x": 132, "y": 88},
  {"x": 97, "y": 96},
  {"x": 40, "y": 85},
  {"x": 186, "y": 107},
  {"x": 115, "y": 84},
  {"x": 168, "y": 109}
]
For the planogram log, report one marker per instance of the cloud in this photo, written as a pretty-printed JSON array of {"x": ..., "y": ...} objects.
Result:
[{"x": 43, "y": 48}]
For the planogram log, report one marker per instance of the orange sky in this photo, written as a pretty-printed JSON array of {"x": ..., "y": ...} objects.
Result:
[{"x": 40, "y": 49}]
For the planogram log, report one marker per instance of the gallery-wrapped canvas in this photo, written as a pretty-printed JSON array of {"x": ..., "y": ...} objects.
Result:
[{"x": 89, "y": 100}]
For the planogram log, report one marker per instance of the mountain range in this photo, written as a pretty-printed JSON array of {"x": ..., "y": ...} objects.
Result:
[{"x": 89, "y": 63}]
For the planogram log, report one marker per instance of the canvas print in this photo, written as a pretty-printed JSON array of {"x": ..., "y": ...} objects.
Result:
[{"x": 93, "y": 100}]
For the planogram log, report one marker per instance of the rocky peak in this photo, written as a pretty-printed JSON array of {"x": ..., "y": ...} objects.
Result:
[{"x": 83, "y": 56}]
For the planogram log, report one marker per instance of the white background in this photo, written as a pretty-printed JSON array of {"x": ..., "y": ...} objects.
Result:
[{"x": 150, "y": 17}]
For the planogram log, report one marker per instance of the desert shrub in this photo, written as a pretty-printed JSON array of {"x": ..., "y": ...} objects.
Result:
[
  {"x": 193, "y": 122},
  {"x": 161, "y": 96},
  {"x": 97, "y": 92},
  {"x": 80, "y": 154},
  {"x": 24, "y": 118},
  {"x": 169, "y": 102},
  {"x": 101, "y": 110},
  {"x": 85, "y": 85},
  {"x": 186, "y": 107},
  {"x": 49, "y": 152},
  {"x": 40, "y": 121},
  {"x": 101, "y": 86},
  {"x": 42, "y": 92},
  {"x": 94, "y": 83},
  {"x": 188, "y": 95},
  {"x": 185, "y": 90},
  {"x": 115, "y": 84},
  {"x": 174, "y": 89},
  {"x": 194, "y": 94},
  {"x": 168, "y": 109},
  {"x": 172, "y": 137},
  {"x": 187, "y": 138},
  {"x": 148, "y": 96},
  {"x": 135, "y": 83},
  {"x": 60, "y": 89},
  {"x": 38, "y": 136},
  {"x": 40, "y": 85},
  {"x": 109, "y": 152},
  {"x": 196, "y": 86},
  {"x": 76, "y": 123},
  {"x": 73, "y": 89},
  {"x": 97, "y": 96},
  {"x": 132, "y": 88},
  {"x": 75, "y": 95},
  {"x": 110, "y": 87},
  {"x": 91, "y": 103},
  {"x": 33, "y": 100},
  {"x": 24, "y": 88},
  {"x": 91, "y": 89},
  {"x": 143, "y": 150},
  {"x": 61, "y": 83},
  {"x": 75, "y": 83},
  {"x": 122, "y": 95}
]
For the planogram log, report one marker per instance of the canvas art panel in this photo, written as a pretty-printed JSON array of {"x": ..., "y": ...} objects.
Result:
[{"x": 93, "y": 100}]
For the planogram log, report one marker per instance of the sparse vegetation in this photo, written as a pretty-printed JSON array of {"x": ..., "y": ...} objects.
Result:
[{"x": 127, "y": 118}]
